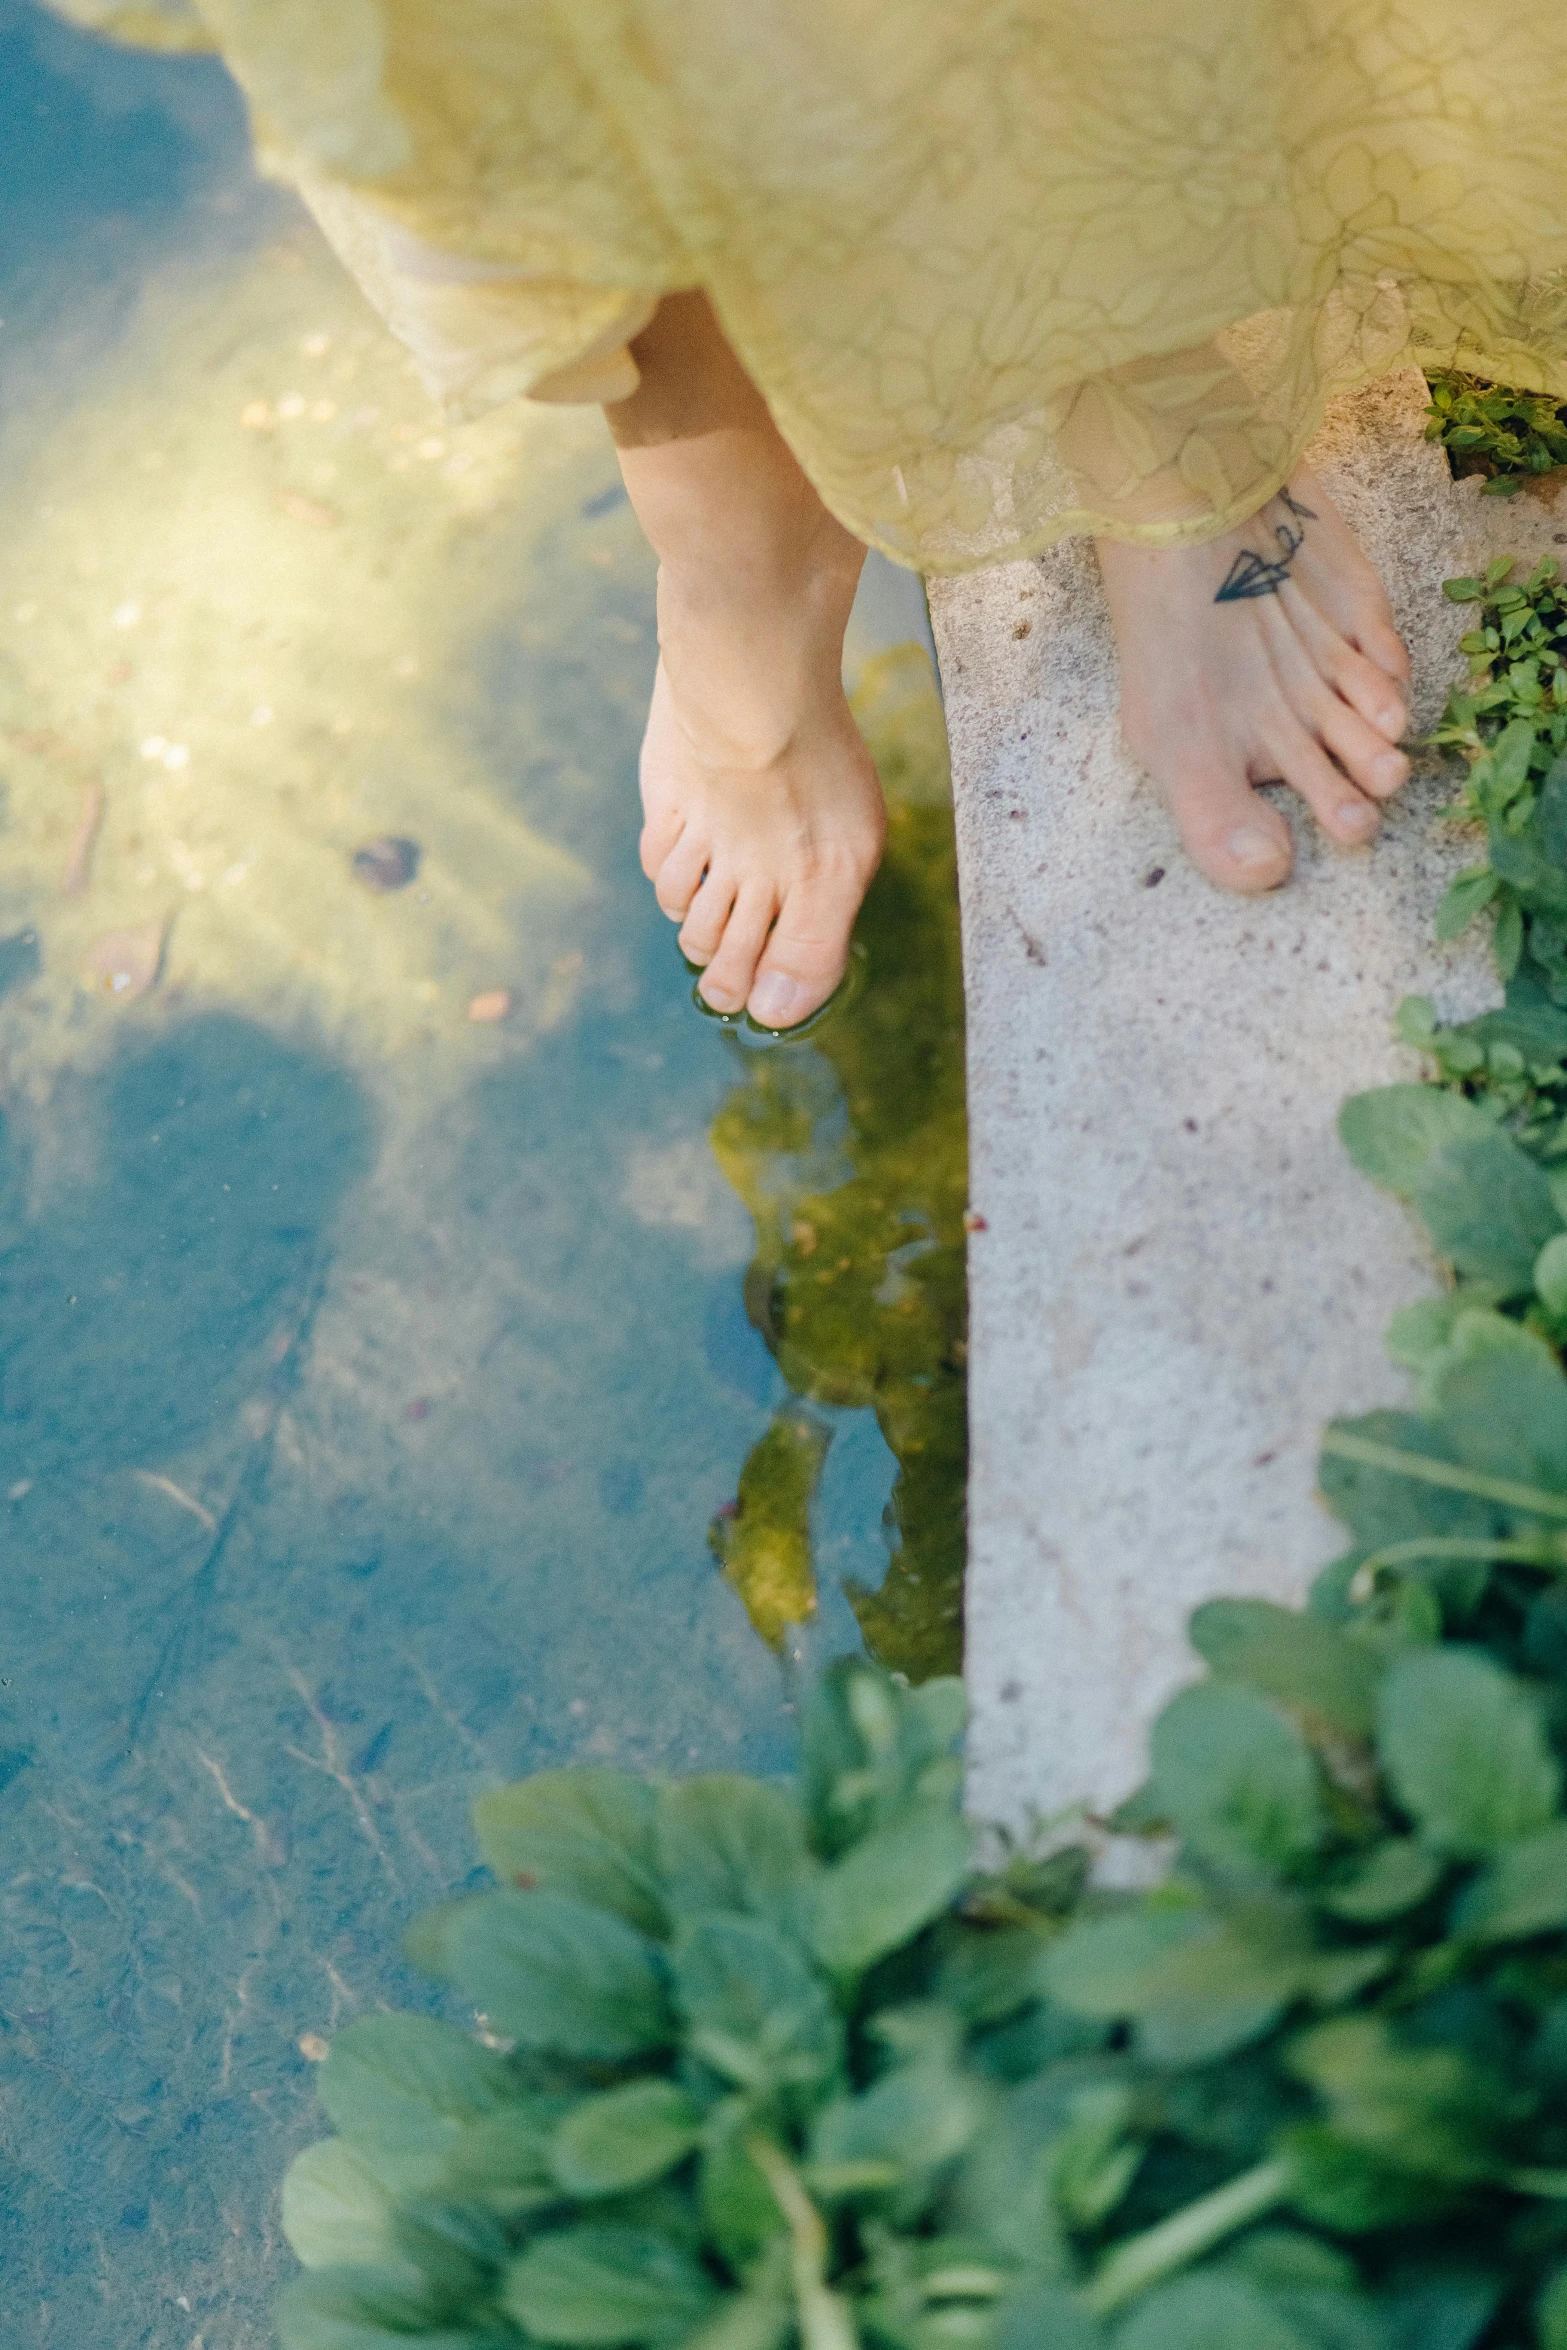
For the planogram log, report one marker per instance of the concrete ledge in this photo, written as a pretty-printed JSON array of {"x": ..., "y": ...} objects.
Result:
[{"x": 1180, "y": 1276}]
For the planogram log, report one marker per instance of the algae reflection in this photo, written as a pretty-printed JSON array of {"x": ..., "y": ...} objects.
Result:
[{"x": 850, "y": 1150}]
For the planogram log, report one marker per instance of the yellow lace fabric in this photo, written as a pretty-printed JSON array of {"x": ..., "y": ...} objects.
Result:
[{"x": 1003, "y": 268}]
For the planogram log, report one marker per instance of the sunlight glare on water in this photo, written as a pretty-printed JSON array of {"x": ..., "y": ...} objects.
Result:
[{"x": 414, "y": 1317}]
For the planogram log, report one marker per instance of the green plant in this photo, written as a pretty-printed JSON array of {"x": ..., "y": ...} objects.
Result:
[
  {"x": 763, "y": 2067},
  {"x": 1507, "y": 435}
]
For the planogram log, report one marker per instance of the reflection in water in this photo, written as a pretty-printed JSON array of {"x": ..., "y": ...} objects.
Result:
[
  {"x": 850, "y": 1151},
  {"x": 370, "y": 1371}
]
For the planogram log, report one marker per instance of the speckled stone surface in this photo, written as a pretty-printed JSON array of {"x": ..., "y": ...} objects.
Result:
[{"x": 1180, "y": 1277}]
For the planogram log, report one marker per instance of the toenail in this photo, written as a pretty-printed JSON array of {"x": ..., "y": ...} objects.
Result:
[
  {"x": 1356, "y": 816},
  {"x": 776, "y": 1000},
  {"x": 719, "y": 1001},
  {"x": 1249, "y": 845},
  {"x": 1389, "y": 768},
  {"x": 1394, "y": 720}
]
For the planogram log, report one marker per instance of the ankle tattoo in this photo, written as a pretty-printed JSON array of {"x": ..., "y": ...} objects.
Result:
[{"x": 1260, "y": 575}]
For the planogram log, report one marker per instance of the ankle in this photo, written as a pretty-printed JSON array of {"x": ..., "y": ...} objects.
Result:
[{"x": 752, "y": 661}]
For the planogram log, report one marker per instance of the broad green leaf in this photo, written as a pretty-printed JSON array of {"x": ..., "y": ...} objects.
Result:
[
  {"x": 915, "y": 2119},
  {"x": 586, "y": 1832},
  {"x": 606, "y": 2285},
  {"x": 872, "y": 1747},
  {"x": 1116, "y": 1966},
  {"x": 1296, "y": 1659},
  {"x": 755, "y": 2008},
  {"x": 504, "y": 2158},
  {"x": 1343, "y": 2186},
  {"x": 988, "y": 1972},
  {"x": 1237, "y": 1780},
  {"x": 1419, "y": 2109},
  {"x": 728, "y": 1843},
  {"x": 1474, "y": 1332},
  {"x": 372, "y": 2309},
  {"x": 1394, "y": 1133},
  {"x": 624, "y": 2138},
  {"x": 885, "y": 1888},
  {"x": 747, "y": 2321},
  {"x": 1393, "y": 1877},
  {"x": 1431, "y": 2307},
  {"x": 553, "y": 1973},
  {"x": 1467, "y": 895},
  {"x": 1198, "y": 1986},
  {"x": 738, "y": 2206},
  {"x": 1465, "y": 1748},
  {"x": 1211, "y": 2310},
  {"x": 1046, "y": 2317},
  {"x": 459, "y": 2249},
  {"x": 1553, "y": 2313},
  {"x": 335, "y": 2209},
  {"x": 1502, "y": 1409},
  {"x": 1488, "y": 1208},
  {"x": 1550, "y": 1274},
  {"x": 1522, "y": 1892},
  {"x": 1384, "y": 1506},
  {"x": 401, "y": 2088}
]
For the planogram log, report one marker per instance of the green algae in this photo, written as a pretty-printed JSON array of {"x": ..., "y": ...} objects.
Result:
[{"x": 850, "y": 1151}]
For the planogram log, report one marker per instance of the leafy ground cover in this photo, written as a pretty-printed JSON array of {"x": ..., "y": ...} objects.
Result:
[
  {"x": 1509, "y": 436},
  {"x": 764, "y": 2065}
]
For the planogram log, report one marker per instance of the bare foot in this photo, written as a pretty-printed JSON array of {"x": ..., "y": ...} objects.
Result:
[
  {"x": 761, "y": 841},
  {"x": 1268, "y": 655}
]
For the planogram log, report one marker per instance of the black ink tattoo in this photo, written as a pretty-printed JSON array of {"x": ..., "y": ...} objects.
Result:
[{"x": 1256, "y": 575}]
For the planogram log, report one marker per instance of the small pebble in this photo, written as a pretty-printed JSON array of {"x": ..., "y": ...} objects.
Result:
[
  {"x": 492, "y": 1004},
  {"x": 419, "y": 1409},
  {"x": 386, "y": 863},
  {"x": 313, "y": 2048}
]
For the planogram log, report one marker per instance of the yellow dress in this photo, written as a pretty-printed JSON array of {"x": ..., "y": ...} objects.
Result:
[{"x": 1003, "y": 268}]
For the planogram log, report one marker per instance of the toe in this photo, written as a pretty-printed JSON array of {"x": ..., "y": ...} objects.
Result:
[
  {"x": 1344, "y": 813},
  {"x": 660, "y": 836},
  {"x": 729, "y": 977},
  {"x": 1379, "y": 695},
  {"x": 807, "y": 952},
  {"x": 706, "y": 916},
  {"x": 1374, "y": 635},
  {"x": 1364, "y": 752},
  {"x": 1233, "y": 837},
  {"x": 679, "y": 877}
]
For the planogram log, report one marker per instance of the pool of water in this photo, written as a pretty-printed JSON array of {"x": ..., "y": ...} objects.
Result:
[{"x": 392, "y": 1400}]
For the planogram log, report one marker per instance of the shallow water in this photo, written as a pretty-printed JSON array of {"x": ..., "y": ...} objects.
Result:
[{"x": 380, "y": 1387}]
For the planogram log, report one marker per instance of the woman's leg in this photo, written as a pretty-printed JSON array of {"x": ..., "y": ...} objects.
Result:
[
  {"x": 1267, "y": 655},
  {"x": 763, "y": 815}
]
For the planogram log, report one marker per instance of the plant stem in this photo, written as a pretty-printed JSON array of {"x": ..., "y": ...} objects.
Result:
[
  {"x": 1449, "y": 1546},
  {"x": 826, "y": 2320},
  {"x": 1425, "y": 1471},
  {"x": 1146, "y": 2259}
]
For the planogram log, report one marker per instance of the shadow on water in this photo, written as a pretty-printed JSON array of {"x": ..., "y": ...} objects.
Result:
[{"x": 371, "y": 1376}]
